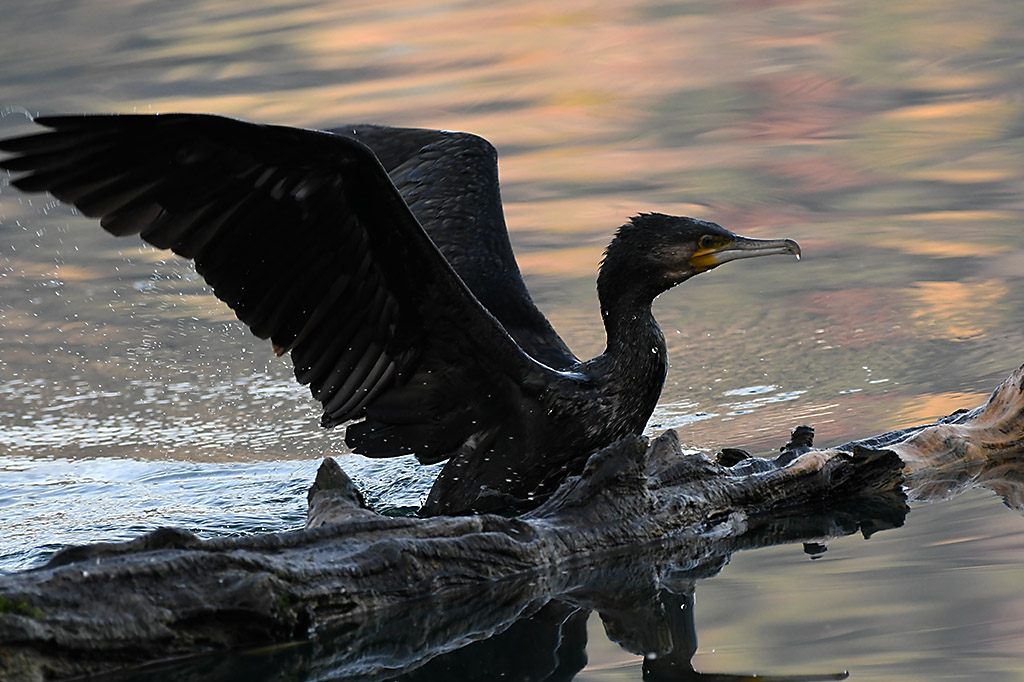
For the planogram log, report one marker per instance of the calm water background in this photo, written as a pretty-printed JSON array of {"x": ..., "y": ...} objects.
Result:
[{"x": 888, "y": 138}]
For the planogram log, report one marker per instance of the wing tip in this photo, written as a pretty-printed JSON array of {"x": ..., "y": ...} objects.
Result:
[{"x": 329, "y": 422}]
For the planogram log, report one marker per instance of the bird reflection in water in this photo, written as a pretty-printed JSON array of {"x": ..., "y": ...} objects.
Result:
[{"x": 547, "y": 645}]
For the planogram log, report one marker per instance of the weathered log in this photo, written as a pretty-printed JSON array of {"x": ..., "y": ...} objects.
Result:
[{"x": 400, "y": 591}]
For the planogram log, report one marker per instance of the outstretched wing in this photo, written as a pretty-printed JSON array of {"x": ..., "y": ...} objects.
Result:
[
  {"x": 450, "y": 181},
  {"x": 304, "y": 235}
]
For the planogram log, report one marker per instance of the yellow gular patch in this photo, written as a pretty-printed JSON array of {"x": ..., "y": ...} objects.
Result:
[{"x": 705, "y": 258}]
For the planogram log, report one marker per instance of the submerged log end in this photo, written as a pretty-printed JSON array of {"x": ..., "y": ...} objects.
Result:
[
  {"x": 993, "y": 431},
  {"x": 1004, "y": 411},
  {"x": 982, "y": 447}
]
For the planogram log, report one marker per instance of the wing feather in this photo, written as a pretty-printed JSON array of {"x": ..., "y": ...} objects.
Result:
[
  {"x": 450, "y": 182},
  {"x": 306, "y": 237}
]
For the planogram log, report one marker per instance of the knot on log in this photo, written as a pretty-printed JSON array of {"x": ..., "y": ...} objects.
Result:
[{"x": 333, "y": 496}]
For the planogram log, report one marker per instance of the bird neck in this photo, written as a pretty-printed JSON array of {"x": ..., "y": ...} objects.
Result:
[
  {"x": 628, "y": 376},
  {"x": 632, "y": 368},
  {"x": 634, "y": 337},
  {"x": 631, "y": 372},
  {"x": 626, "y": 301}
]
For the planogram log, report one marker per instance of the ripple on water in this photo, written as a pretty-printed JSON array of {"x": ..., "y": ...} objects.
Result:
[
  {"x": 48, "y": 503},
  {"x": 255, "y": 414}
]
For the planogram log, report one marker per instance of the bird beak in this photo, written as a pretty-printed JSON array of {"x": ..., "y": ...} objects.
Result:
[{"x": 742, "y": 247}]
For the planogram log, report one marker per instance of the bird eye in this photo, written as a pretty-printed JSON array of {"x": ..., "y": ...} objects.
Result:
[{"x": 707, "y": 241}]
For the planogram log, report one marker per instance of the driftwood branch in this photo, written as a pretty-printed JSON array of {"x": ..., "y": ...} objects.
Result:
[{"x": 375, "y": 596}]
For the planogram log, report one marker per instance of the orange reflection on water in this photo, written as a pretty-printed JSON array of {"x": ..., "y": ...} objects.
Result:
[
  {"x": 957, "y": 310},
  {"x": 580, "y": 261},
  {"x": 945, "y": 249},
  {"x": 926, "y": 408}
]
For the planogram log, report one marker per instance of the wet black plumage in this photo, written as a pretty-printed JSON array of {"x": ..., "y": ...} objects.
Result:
[{"x": 378, "y": 257}]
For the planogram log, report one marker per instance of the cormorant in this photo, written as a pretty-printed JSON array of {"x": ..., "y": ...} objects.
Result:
[{"x": 378, "y": 257}]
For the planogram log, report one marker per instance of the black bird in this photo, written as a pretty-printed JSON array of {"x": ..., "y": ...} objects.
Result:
[{"x": 378, "y": 257}]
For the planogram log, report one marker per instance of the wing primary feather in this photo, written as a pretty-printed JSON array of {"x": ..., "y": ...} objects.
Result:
[
  {"x": 193, "y": 241},
  {"x": 270, "y": 318},
  {"x": 171, "y": 228},
  {"x": 65, "y": 181},
  {"x": 41, "y": 161},
  {"x": 311, "y": 343},
  {"x": 114, "y": 194},
  {"x": 202, "y": 245},
  {"x": 321, "y": 351},
  {"x": 48, "y": 142},
  {"x": 343, "y": 363},
  {"x": 131, "y": 218},
  {"x": 376, "y": 382},
  {"x": 373, "y": 361},
  {"x": 337, "y": 288}
]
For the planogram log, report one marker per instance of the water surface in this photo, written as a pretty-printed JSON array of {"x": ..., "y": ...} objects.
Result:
[{"x": 887, "y": 138}]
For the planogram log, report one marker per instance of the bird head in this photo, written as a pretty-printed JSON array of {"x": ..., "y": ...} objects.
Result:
[{"x": 661, "y": 250}]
